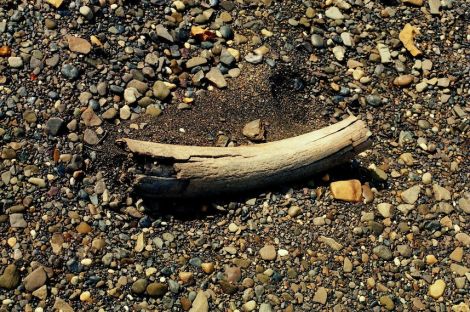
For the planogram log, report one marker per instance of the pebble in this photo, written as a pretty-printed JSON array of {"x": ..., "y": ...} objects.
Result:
[
  {"x": 410, "y": 195},
  {"x": 10, "y": 279},
  {"x": 321, "y": 295},
  {"x": 403, "y": 80},
  {"x": 334, "y": 13},
  {"x": 160, "y": 90},
  {"x": 15, "y": 62},
  {"x": 17, "y": 220},
  {"x": 348, "y": 190},
  {"x": 139, "y": 286},
  {"x": 157, "y": 289},
  {"x": 216, "y": 77},
  {"x": 78, "y": 45},
  {"x": 385, "y": 209},
  {"x": 294, "y": 211},
  {"x": 383, "y": 252},
  {"x": 436, "y": 290},
  {"x": 254, "y": 130},
  {"x": 35, "y": 279},
  {"x": 200, "y": 303},
  {"x": 330, "y": 242},
  {"x": 70, "y": 72},
  {"x": 268, "y": 252}
]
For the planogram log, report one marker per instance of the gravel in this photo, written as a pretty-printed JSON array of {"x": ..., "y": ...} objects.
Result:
[{"x": 388, "y": 230}]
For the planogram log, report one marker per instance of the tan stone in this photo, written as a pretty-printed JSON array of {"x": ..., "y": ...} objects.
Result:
[
  {"x": 83, "y": 228},
  {"x": 457, "y": 254},
  {"x": 321, "y": 295},
  {"x": 436, "y": 290},
  {"x": 407, "y": 36},
  {"x": 349, "y": 190},
  {"x": 186, "y": 277},
  {"x": 62, "y": 306},
  {"x": 140, "y": 243},
  {"x": 200, "y": 303},
  {"x": 208, "y": 267},
  {"x": 459, "y": 269},
  {"x": 403, "y": 80},
  {"x": 55, "y": 3},
  {"x": 268, "y": 252},
  {"x": 414, "y": 2},
  {"x": 79, "y": 45}
]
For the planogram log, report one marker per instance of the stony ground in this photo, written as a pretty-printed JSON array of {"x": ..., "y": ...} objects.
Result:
[{"x": 76, "y": 75}]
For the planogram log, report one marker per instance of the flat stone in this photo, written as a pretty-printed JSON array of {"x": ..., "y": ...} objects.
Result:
[
  {"x": 434, "y": 6},
  {"x": 90, "y": 137},
  {"x": 70, "y": 72},
  {"x": 153, "y": 110},
  {"x": 253, "y": 58},
  {"x": 208, "y": 267},
  {"x": 420, "y": 87},
  {"x": 410, "y": 196},
  {"x": 215, "y": 76},
  {"x": 440, "y": 193},
  {"x": 334, "y": 13},
  {"x": 347, "y": 265},
  {"x": 347, "y": 39},
  {"x": 265, "y": 307},
  {"x": 139, "y": 286},
  {"x": 405, "y": 250},
  {"x": 55, "y": 3},
  {"x": 254, "y": 130},
  {"x": 110, "y": 113},
  {"x": 62, "y": 306},
  {"x": 83, "y": 228},
  {"x": 10, "y": 279},
  {"x": 464, "y": 205},
  {"x": 459, "y": 270},
  {"x": 387, "y": 302},
  {"x": 339, "y": 52},
  {"x": 196, "y": 61},
  {"x": 233, "y": 274},
  {"x": 384, "y": 52},
  {"x": 268, "y": 252},
  {"x": 330, "y": 242},
  {"x": 17, "y": 220},
  {"x": 383, "y": 252},
  {"x": 385, "y": 209},
  {"x": 160, "y": 90},
  {"x": 125, "y": 112},
  {"x": 35, "y": 279},
  {"x": 317, "y": 41},
  {"x": 321, "y": 295},
  {"x": 294, "y": 211},
  {"x": 347, "y": 190},
  {"x": 40, "y": 293},
  {"x": 249, "y": 306},
  {"x": 54, "y": 126},
  {"x": 463, "y": 238},
  {"x": 79, "y": 45},
  {"x": 457, "y": 254},
  {"x": 15, "y": 62},
  {"x": 200, "y": 303},
  {"x": 436, "y": 290},
  {"x": 131, "y": 95},
  {"x": 38, "y": 182},
  {"x": 414, "y": 2},
  {"x": 157, "y": 289},
  {"x": 403, "y": 80},
  {"x": 407, "y": 36},
  {"x": 90, "y": 119},
  {"x": 162, "y": 32}
]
